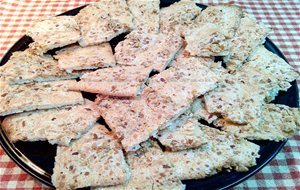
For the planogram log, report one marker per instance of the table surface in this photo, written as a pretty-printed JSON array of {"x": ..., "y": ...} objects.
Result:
[{"x": 283, "y": 16}]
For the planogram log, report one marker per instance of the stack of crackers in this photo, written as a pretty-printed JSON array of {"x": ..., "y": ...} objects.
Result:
[{"x": 152, "y": 90}]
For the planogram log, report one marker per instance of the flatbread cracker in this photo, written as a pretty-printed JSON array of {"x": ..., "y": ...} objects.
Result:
[
  {"x": 226, "y": 17},
  {"x": 102, "y": 21},
  {"x": 53, "y": 32},
  {"x": 150, "y": 170},
  {"x": 28, "y": 97},
  {"x": 94, "y": 160},
  {"x": 172, "y": 91},
  {"x": 222, "y": 151},
  {"x": 25, "y": 67},
  {"x": 145, "y": 14},
  {"x": 276, "y": 73},
  {"x": 249, "y": 36},
  {"x": 131, "y": 120},
  {"x": 179, "y": 17},
  {"x": 238, "y": 99},
  {"x": 183, "y": 133},
  {"x": 57, "y": 126},
  {"x": 207, "y": 40},
  {"x": 82, "y": 58},
  {"x": 279, "y": 122},
  {"x": 117, "y": 81},
  {"x": 153, "y": 50}
]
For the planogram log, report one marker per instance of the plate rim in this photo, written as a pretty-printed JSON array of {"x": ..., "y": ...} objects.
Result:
[{"x": 41, "y": 175}]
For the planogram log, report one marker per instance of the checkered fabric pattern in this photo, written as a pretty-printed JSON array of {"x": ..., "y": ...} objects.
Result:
[{"x": 283, "y": 16}]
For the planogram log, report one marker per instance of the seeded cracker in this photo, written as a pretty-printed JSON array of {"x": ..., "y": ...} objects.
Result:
[
  {"x": 226, "y": 17},
  {"x": 117, "y": 81},
  {"x": 249, "y": 36},
  {"x": 94, "y": 160},
  {"x": 183, "y": 133},
  {"x": 131, "y": 120},
  {"x": 238, "y": 99},
  {"x": 172, "y": 91},
  {"x": 28, "y": 97},
  {"x": 58, "y": 126},
  {"x": 82, "y": 58},
  {"x": 279, "y": 122},
  {"x": 145, "y": 14},
  {"x": 153, "y": 50},
  {"x": 276, "y": 73},
  {"x": 53, "y": 32},
  {"x": 222, "y": 151},
  {"x": 100, "y": 22},
  {"x": 207, "y": 40},
  {"x": 150, "y": 170},
  {"x": 178, "y": 17},
  {"x": 25, "y": 67}
]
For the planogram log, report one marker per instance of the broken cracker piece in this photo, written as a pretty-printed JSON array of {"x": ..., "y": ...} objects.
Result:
[
  {"x": 26, "y": 67},
  {"x": 58, "y": 126},
  {"x": 53, "y": 32},
  {"x": 145, "y": 14},
  {"x": 102, "y": 21},
  {"x": 151, "y": 50},
  {"x": 279, "y": 122},
  {"x": 150, "y": 170},
  {"x": 222, "y": 151},
  {"x": 178, "y": 17},
  {"x": 28, "y": 97},
  {"x": 94, "y": 160},
  {"x": 75, "y": 58},
  {"x": 249, "y": 36},
  {"x": 206, "y": 40},
  {"x": 226, "y": 17},
  {"x": 183, "y": 133},
  {"x": 123, "y": 81}
]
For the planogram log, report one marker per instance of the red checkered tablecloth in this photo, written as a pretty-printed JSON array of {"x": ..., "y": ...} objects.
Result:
[{"x": 283, "y": 16}]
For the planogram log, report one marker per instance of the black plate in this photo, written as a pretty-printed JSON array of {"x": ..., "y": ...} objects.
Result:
[{"x": 37, "y": 158}]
